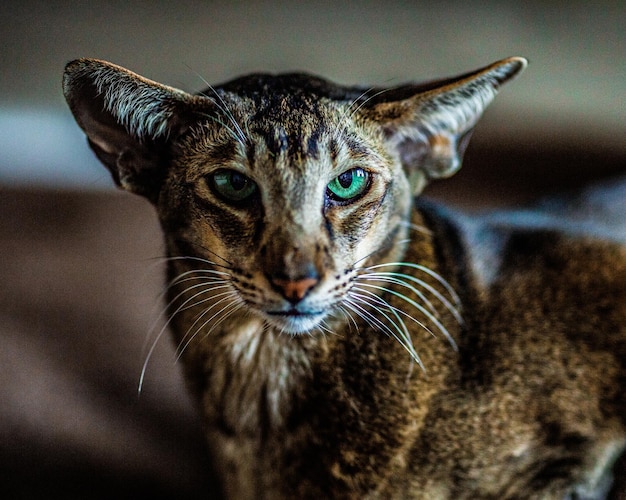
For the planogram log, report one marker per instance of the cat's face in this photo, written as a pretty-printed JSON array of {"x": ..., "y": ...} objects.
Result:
[
  {"x": 276, "y": 193},
  {"x": 290, "y": 207}
]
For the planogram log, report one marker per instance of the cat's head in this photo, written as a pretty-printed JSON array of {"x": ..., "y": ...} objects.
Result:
[{"x": 289, "y": 184}]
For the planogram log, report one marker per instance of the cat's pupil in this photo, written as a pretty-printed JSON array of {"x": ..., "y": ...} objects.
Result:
[
  {"x": 231, "y": 185},
  {"x": 238, "y": 181},
  {"x": 345, "y": 179}
]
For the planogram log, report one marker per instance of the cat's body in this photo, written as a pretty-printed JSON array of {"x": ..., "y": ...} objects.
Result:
[{"x": 306, "y": 290}]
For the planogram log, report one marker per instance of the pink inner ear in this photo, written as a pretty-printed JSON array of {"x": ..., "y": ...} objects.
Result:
[
  {"x": 105, "y": 146},
  {"x": 100, "y": 135},
  {"x": 441, "y": 146}
]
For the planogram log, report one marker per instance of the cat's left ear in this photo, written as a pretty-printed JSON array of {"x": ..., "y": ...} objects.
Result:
[{"x": 430, "y": 125}]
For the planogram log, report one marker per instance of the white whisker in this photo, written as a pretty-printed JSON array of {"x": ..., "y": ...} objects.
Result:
[
  {"x": 202, "y": 261},
  {"x": 365, "y": 101},
  {"x": 323, "y": 327},
  {"x": 233, "y": 302},
  {"x": 426, "y": 270},
  {"x": 420, "y": 308},
  {"x": 348, "y": 111},
  {"x": 419, "y": 229},
  {"x": 384, "y": 305},
  {"x": 382, "y": 278},
  {"x": 234, "y": 134},
  {"x": 229, "y": 294},
  {"x": 159, "y": 335},
  {"x": 380, "y": 300},
  {"x": 353, "y": 304},
  {"x": 164, "y": 310},
  {"x": 398, "y": 278},
  {"x": 223, "y": 107},
  {"x": 351, "y": 320}
]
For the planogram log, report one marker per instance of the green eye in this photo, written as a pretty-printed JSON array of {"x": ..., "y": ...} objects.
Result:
[
  {"x": 349, "y": 185},
  {"x": 232, "y": 185}
]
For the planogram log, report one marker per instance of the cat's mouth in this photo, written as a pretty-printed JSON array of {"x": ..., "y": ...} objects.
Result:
[{"x": 295, "y": 321}]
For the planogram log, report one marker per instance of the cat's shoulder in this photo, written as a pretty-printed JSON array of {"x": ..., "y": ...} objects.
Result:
[{"x": 589, "y": 222}]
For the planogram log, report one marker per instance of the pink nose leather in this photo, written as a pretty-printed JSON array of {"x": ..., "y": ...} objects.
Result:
[{"x": 295, "y": 291}]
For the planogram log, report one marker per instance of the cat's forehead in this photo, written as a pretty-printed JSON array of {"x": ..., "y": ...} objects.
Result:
[
  {"x": 290, "y": 115},
  {"x": 262, "y": 87},
  {"x": 288, "y": 100}
]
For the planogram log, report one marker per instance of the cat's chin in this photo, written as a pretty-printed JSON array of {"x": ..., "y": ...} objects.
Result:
[{"x": 296, "y": 323}]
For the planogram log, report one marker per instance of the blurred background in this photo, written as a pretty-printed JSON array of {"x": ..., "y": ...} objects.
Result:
[
  {"x": 573, "y": 91},
  {"x": 80, "y": 272}
]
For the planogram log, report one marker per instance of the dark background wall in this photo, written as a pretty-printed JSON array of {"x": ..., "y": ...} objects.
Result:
[{"x": 571, "y": 95}]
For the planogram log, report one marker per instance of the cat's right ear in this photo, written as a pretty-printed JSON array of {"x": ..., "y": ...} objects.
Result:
[{"x": 129, "y": 120}]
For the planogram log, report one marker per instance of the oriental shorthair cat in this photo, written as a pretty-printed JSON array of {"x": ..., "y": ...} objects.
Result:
[{"x": 345, "y": 338}]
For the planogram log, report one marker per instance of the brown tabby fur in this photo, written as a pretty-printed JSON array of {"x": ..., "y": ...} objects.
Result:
[{"x": 321, "y": 376}]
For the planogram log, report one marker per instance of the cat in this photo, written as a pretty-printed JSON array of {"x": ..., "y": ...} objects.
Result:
[{"x": 342, "y": 336}]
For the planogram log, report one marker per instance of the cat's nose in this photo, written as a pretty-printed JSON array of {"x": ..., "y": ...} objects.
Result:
[{"x": 294, "y": 290}]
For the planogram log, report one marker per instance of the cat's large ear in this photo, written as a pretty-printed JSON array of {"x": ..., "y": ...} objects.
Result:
[
  {"x": 430, "y": 125},
  {"x": 129, "y": 121}
]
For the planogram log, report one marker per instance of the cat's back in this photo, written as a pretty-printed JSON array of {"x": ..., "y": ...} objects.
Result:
[
  {"x": 564, "y": 226},
  {"x": 544, "y": 340},
  {"x": 559, "y": 264},
  {"x": 548, "y": 283}
]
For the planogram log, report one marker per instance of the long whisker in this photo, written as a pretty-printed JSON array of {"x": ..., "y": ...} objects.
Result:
[
  {"x": 237, "y": 133},
  {"x": 426, "y": 270},
  {"x": 213, "y": 281},
  {"x": 351, "y": 320},
  {"x": 367, "y": 296},
  {"x": 398, "y": 278},
  {"x": 229, "y": 115},
  {"x": 222, "y": 106},
  {"x": 183, "y": 277},
  {"x": 323, "y": 327},
  {"x": 202, "y": 260},
  {"x": 233, "y": 304},
  {"x": 196, "y": 274},
  {"x": 229, "y": 294},
  {"x": 405, "y": 339},
  {"x": 420, "y": 308},
  {"x": 160, "y": 260},
  {"x": 365, "y": 101},
  {"x": 206, "y": 261},
  {"x": 381, "y": 301},
  {"x": 389, "y": 278},
  {"x": 234, "y": 134},
  {"x": 415, "y": 227},
  {"x": 347, "y": 113},
  {"x": 167, "y": 323},
  {"x": 368, "y": 316}
]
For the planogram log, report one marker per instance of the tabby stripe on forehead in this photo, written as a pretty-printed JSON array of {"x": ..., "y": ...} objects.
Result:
[
  {"x": 356, "y": 148},
  {"x": 251, "y": 154},
  {"x": 222, "y": 153},
  {"x": 312, "y": 143},
  {"x": 333, "y": 149},
  {"x": 279, "y": 141},
  {"x": 276, "y": 140}
]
